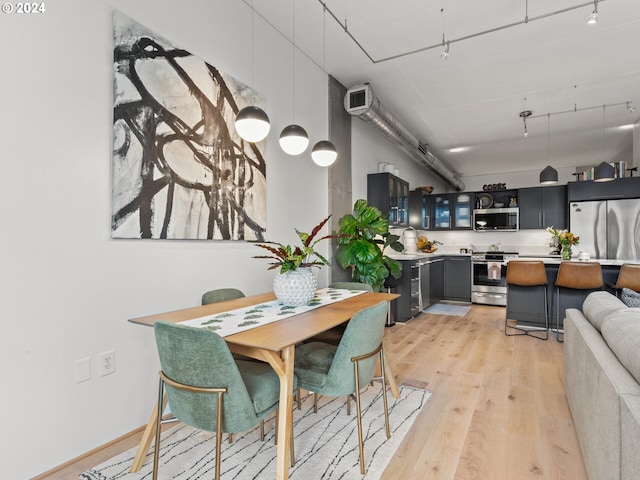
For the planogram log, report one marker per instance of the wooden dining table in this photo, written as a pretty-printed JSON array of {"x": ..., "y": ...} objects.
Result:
[{"x": 275, "y": 344}]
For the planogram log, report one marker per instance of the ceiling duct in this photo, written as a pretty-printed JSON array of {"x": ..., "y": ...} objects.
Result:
[{"x": 361, "y": 102}]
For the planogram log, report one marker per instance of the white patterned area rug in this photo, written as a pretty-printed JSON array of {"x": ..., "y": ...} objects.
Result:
[
  {"x": 326, "y": 444},
  {"x": 448, "y": 309}
]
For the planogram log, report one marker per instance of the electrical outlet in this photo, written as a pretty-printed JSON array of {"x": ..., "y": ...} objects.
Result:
[
  {"x": 107, "y": 363},
  {"x": 83, "y": 370}
]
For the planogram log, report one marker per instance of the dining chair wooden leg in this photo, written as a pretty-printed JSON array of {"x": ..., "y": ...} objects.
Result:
[
  {"x": 384, "y": 395},
  {"x": 359, "y": 413},
  {"x": 156, "y": 447},
  {"x": 315, "y": 402}
]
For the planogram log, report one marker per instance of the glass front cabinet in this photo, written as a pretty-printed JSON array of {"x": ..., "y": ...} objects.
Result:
[
  {"x": 452, "y": 211},
  {"x": 391, "y": 195}
]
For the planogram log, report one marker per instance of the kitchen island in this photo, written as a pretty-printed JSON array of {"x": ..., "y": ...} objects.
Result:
[{"x": 525, "y": 302}]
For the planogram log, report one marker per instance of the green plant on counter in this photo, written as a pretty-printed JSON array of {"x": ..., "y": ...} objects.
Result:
[{"x": 362, "y": 238}]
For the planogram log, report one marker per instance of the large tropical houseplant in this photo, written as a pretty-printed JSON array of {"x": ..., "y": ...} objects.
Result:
[
  {"x": 362, "y": 238},
  {"x": 296, "y": 284}
]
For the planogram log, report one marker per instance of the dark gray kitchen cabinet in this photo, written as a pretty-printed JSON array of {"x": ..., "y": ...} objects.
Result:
[
  {"x": 457, "y": 278},
  {"x": 542, "y": 207},
  {"x": 436, "y": 280},
  {"x": 452, "y": 211},
  {"x": 420, "y": 210},
  {"x": 408, "y": 305},
  {"x": 618, "y": 188},
  {"x": 390, "y": 194}
]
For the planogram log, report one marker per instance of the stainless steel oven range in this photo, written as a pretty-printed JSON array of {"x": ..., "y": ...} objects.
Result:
[{"x": 489, "y": 283}]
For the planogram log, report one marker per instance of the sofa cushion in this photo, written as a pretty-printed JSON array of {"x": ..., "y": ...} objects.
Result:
[
  {"x": 630, "y": 298},
  {"x": 598, "y": 305},
  {"x": 621, "y": 331}
]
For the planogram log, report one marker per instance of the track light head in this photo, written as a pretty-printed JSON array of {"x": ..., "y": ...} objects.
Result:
[
  {"x": 524, "y": 115},
  {"x": 593, "y": 18}
]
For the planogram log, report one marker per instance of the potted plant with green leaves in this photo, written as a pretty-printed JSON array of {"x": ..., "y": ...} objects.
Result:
[
  {"x": 296, "y": 283},
  {"x": 362, "y": 238}
]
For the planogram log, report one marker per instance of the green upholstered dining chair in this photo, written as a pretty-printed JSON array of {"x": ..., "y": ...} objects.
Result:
[
  {"x": 334, "y": 334},
  {"x": 207, "y": 388},
  {"x": 220, "y": 295},
  {"x": 344, "y": 369}
]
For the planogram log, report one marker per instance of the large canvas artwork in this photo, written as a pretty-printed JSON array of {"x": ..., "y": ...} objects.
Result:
[{"x": 180, "y": 171}]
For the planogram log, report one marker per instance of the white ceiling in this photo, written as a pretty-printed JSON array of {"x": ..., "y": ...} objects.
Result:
[{"x": 555, "y": 63}]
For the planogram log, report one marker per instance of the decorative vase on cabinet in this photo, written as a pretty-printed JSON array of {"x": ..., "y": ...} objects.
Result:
[
  {"x": 566, "y": 252},
  {"x": 295, "y": 287}
]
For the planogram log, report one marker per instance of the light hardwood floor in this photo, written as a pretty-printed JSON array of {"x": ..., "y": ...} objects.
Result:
[{"x": 498, "y": 409}]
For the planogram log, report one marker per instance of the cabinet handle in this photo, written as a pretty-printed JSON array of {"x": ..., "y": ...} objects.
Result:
[{"x": 540, "y": 219}]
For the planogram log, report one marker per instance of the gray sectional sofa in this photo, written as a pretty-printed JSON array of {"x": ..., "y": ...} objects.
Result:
[{"x": 602, "y": 380}]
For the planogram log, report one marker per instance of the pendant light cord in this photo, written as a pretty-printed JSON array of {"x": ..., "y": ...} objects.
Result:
[{"x": 293, "y": 62}]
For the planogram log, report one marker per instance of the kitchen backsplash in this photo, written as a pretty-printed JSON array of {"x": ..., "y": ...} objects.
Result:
[{"x": 525, "y": 242}]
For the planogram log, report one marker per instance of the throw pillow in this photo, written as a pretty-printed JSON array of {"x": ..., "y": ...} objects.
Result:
[{"x": 630, "y": 297}]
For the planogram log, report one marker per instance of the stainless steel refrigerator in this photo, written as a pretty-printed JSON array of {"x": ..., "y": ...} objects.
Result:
[{"x": 607, "y": 228}]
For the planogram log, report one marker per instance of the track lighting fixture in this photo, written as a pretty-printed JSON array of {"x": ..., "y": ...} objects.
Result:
[
  {"x": 524, "y": 115},
  {"x": 445, "y": 44},
  {"x": 593, "y": 18},
  {"x": 445, "y": 53},
  {"x": 630, "y": 108},
  {"x": 324, "y": 153}
]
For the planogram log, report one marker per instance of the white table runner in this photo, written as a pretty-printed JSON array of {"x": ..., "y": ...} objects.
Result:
[{"x": 235, "y": 321}]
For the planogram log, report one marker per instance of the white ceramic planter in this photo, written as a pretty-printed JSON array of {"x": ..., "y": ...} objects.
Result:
[{"x": 295, "y": 287}]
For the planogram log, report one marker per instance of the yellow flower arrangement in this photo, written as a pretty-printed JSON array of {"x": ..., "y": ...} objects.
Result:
[{"x": 565, "y": 238}]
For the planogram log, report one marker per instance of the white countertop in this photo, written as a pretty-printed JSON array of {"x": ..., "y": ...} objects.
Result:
[
  {"x": 557, "y": 260},
  {"x": 419, "y": 255}
]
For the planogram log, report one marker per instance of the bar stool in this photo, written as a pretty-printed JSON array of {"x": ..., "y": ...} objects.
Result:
[
  {"x": 527, "y": 273},
  {"x": 585, "y": 276},
  {"x": 628, "y": 277}
]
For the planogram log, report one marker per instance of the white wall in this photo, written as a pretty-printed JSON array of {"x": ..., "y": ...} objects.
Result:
[
  {"x": 68, "y": 288},
  {"x": 370, "y": 148}
]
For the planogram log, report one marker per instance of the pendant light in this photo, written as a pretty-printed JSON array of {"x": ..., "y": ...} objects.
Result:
[
  {"x": 252, "y": 123},
  {"x": 548, "y": 175},
  {"x": 604, "y": 172},
  {"x": 293, "y": 138},
  {"x": 324, "y": 153}
]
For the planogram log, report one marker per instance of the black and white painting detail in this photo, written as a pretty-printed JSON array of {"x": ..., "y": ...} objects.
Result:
[{"x": 180, "y": 171}]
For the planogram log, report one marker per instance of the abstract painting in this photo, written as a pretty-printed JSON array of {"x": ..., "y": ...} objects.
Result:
[{"x": 180, "y": 170}]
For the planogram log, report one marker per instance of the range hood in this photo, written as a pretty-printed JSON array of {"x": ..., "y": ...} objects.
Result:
[{"x": 361, "y": 102}]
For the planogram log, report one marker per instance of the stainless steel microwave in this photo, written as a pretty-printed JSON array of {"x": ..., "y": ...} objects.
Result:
[{"x": 492, "y": 219}]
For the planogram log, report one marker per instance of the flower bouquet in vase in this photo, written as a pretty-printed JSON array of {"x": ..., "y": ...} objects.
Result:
[{"x": 566, "y": 240}]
